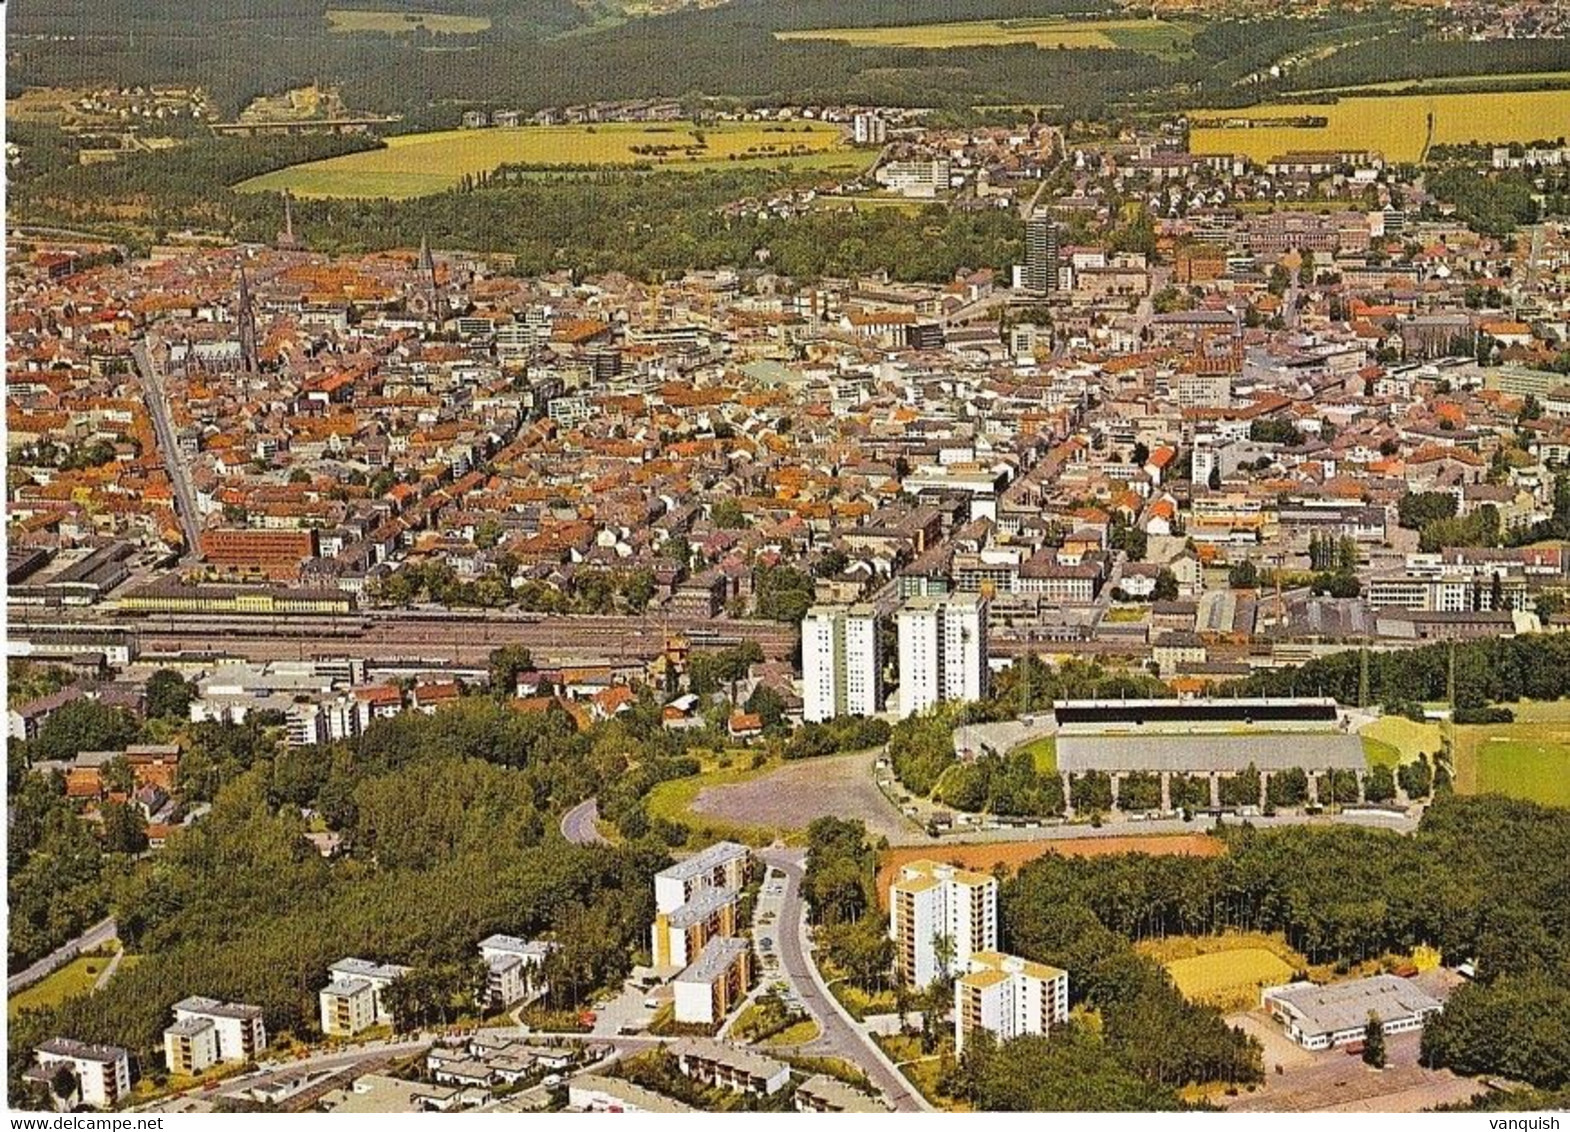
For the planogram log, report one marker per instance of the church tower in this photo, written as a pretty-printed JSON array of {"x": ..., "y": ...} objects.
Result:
[{"x": 246, "y": 318}]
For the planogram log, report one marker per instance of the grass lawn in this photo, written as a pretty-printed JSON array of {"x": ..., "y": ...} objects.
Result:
[
  {"x": 1225, "y": 970},
  {"x": 1044, "y": 753},
  {"x": 800, "y": 1033},
  {"x": 860, "y": 1003},
  {"x": 1154, "y": 37},
  {"x": 1541, "y": 711},
  {"x": 1378, "y": 753},
  {"x": 415, "y": 165},
  {"x": 1523, "y": 760},
  {"x": 1406, "y": 737},
  {"x": 401, "y": 23},
  {"x": 73, "y": 980},
  {"x": 919, "y": 1068},
  {"x": 1536, "y": 769},
  {"x": 1127, "y": 614}
]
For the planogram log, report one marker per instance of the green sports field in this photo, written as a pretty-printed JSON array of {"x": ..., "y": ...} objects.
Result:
[
  {"x": 415, "y": 165},
  {"x": 1524, "y": 768}
]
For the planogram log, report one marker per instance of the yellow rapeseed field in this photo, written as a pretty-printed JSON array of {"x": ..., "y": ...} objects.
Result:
[
  {"x": 1396, "y": 126},
  {"x": 1231, "y": 978},
  {"x": 418, "y": 164}
]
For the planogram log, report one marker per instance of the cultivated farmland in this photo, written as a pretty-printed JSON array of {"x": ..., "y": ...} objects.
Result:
[
  {"x": 401, "y": 23},
  {"x": 1012, "y": 854},
  {"x": 415, "y": 165},
  {"x": 1156, "y": 37},
  {"x": 1229, "y": 979},
  {"x": 1396, "y": 126}
]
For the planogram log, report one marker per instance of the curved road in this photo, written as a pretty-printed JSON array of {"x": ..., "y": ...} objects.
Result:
[
  {"x": 838, "y": 1028},
  {"x": 94, "y": 937},
  {"x": 578, "y": 824}
]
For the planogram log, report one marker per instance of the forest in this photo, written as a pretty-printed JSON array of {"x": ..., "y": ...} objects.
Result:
[
  {"x": 1532, "y": 666},
  {"x": 528, "y": 59},
  {"x": 449, "y": 834},
  {"x": 1471, "y": 881},
  {"x": 647, "y": 225}
]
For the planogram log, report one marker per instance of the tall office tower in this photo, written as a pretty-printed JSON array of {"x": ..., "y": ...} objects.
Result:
[
  {"x": 840, "y": 662},
  {"x": 939, "y": 917},
  {"x": 1041, "y": 253},
  {"x": 942, "y": 650}
]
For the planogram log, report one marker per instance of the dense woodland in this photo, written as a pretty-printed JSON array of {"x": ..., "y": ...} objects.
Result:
[
  {"x": 1533, "y": 666},
  {"x": 238, "y": 50},
  {"x": 1472, "y": 881},
  {"x": 449, "y": 834}
]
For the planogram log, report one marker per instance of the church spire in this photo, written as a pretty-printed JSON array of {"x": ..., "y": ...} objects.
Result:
[{"x": 246, "y": 317}]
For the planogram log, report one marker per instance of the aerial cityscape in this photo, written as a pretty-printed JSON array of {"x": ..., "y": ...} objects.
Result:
[{"x": 664, "y": 556}]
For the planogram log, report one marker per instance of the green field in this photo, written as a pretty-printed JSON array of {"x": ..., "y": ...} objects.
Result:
[
  {"x": 1520, "y": 764},
  {"x": 73, "y": 980},
  {"x": 401, "y": 23},
  {"x": 415, "y": 165},
  {"x": 1155, "y": 37},
  {"x": 1394, "y": 740},
  {"x": 1044, "y": 753},
  {"x": 1514, "y": 79},
  {"x": 1395, "y": 126}
]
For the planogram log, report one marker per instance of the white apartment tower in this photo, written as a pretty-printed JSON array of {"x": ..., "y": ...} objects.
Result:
[
  {"x": 939, "y": 917},
  {"x": 942, "y": 650},
  {"x": 1008, "y": 997},
  {"x": 840, "y": 662}
]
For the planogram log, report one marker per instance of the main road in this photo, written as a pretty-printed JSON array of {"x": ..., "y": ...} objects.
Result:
[
  {"x": 163, "y": 429},
  {"x": 838, "y": 1029}
]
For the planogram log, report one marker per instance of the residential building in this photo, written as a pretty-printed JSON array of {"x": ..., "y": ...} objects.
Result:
[
  {"x": 715, "y": 982},
  {"x": 869, "y": 129},
  {"x": 1320, "y": 1017},
  {"x": 731, "y": 1067},
  {"x": 822, "y": 1093},
  {"x": 352, "y": 1001},
  {"x": 1008, "y": 997},
  {"x": 697, "y": 900},
  {"x": 513, "y": 968},
  {"x": 841, "y": 663},
  {"x": 942, "y": 650},
  {"x": 1041, "y": 253},
  {"x": 680, "y": 934},
  {"x": 103, "y": 1073},
  {"x": 939, "y": 916},
  {"x": 723, "y": 865},
  {"x": 590, "y": 1092},
  {"x": 207, "y": 1032}
]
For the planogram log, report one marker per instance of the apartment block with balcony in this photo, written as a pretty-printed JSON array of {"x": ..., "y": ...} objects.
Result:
[
  {"x": 715, "y": 983},
  {"x": 103, "y": 1073},
  {"x": 1007, "y": 997},
  {"x": 208, "y": 1032},
  {"x": 841, "y": 663},
  {"x": 939, "y": 916},
  {"x": 352, "y": 1001}
]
